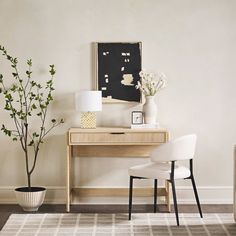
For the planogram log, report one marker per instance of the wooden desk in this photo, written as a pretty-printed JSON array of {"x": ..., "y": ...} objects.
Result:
[{"x": 113, "y": 142}]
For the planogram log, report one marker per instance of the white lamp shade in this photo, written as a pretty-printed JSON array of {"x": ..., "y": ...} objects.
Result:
[{"x": 88, "y": 101}]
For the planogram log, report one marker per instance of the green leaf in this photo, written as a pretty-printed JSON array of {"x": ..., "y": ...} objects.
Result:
[
  {"x": 3, "y": 127},
  {"x": 31, "y": 143},
  {"x": 19, "y": 113},
  {"x": 52, "y": 70},
  {"x": 28, "y": 73},
  {"x": 7, "y": 107},
  {"x": 34, "y": 106},
  {"x": 29, "y": 62},
  {"x": 53, "y": 120},
  {"x": 13, "y": 88},
  {"x": 32, "y": 94},
  {"x": 33, "y": 83},
  {"x": 7, "y": 132}
]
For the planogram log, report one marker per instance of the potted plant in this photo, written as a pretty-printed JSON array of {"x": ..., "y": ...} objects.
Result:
[{"x": 26, "y": 99}]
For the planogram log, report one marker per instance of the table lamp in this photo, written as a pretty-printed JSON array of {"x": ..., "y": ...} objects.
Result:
[{"x": 88, "y": 102}]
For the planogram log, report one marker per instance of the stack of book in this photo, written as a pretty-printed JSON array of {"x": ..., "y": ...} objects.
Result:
[{"x": 145, "y": 126}]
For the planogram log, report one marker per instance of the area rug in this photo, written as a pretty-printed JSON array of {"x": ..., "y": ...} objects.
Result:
[{"x": 117, "y": 224}]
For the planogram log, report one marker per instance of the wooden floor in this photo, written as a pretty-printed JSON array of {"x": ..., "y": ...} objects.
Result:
[{"x": 6, "y": 210}]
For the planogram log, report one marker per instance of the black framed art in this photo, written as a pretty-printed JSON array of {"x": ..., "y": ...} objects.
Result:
[{"x": 117, "y": 71}]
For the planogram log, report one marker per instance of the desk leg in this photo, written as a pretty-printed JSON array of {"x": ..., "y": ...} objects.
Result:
[
  {"x": 167, "y": 197},
  {"x": 68, "y": 178}
]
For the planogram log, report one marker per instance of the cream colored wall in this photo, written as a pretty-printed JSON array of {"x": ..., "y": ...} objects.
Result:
[{"x": 192, "y": 42}]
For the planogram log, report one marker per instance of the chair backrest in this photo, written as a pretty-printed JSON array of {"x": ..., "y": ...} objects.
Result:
[{"x": 182, "y": 148}]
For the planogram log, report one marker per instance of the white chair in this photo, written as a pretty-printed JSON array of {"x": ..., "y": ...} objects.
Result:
[{"x": 163, "y": 166}]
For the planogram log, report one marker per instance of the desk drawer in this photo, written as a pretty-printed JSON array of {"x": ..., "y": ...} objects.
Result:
[{"x": 134, "y": 137}]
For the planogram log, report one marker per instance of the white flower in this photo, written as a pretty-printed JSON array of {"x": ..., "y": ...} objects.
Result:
[
  {"x": 138, "y": 85},
  {"x": 150, "y": 83},
  {"x": 141, "y": 73}
]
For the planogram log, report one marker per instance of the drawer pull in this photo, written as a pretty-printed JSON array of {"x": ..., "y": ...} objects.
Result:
[{"x": 117, "y": 133}]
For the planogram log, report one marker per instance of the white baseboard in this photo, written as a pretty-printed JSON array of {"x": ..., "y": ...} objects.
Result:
[
  {"x": 207, "y": 194},
  {"x": 56, "y": 195}
]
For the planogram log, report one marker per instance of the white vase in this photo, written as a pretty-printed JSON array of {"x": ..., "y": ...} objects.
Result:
[{"x": 150, "y": 110}]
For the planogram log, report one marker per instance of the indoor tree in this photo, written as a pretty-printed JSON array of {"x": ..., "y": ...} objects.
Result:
[{"x": 25, "y": 99}]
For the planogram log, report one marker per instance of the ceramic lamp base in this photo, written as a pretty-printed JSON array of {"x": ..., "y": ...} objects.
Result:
[{"x": 88, "y": 120}]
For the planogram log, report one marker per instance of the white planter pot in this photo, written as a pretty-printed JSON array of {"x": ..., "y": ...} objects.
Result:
[
  {"x": 30, "y": 201},
  {"x": 150, "y": 110}
]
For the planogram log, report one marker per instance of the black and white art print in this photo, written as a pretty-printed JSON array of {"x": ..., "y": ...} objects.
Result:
[{"x": 117, "y": 71}]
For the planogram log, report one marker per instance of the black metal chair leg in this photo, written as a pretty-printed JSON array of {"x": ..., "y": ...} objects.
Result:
[
  {"x": 194, "y": 187},
  {"x": 130, "y": 195},
  {"x": 155, "y": 195},
  {"x": 196, "y": 195},
  {"x": 175, "y": 201}
]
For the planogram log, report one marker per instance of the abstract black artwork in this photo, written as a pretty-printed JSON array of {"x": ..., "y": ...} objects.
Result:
[{"x": 117, "y": 71}]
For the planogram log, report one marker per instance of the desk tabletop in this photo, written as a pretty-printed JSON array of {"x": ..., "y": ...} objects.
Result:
[{"x": 114, "y": 129}]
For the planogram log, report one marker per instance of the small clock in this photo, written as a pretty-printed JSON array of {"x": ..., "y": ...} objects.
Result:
[{"x": 137, "y": 118}]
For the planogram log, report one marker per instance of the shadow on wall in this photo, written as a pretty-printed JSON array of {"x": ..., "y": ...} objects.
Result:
[
  {"x": 12, "y": 166},
  {"x": 111, "y": 114},
  {"x": 117, "y": 114},
  {"x": 64, "y": 106},
  {"x": 89, "y": 172},
  {"x": 51, "y": 169}
]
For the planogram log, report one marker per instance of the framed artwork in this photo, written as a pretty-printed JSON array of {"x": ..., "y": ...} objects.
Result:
[
  {"x": 117, "y": 71},
  {"x": 137, "y": 118}
]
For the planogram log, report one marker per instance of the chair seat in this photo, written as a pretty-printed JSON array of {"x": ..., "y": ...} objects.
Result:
[{"x": 155, "y": 170}]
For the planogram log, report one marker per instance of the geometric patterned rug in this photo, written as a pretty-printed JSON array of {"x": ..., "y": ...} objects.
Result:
[{"x": 160, "y": 224}]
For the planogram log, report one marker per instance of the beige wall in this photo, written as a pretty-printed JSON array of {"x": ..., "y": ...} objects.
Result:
[{"x": 192, "y": 42}]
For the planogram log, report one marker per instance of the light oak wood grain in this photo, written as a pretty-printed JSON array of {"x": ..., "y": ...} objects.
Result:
[
  {"x": 117, "y": 192},
  {"x": 112, "y": 142},
  {"x": 117, "y": 138},
  {"x": 113, "y": 151},
  {"x": 113, "y": 129}
]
